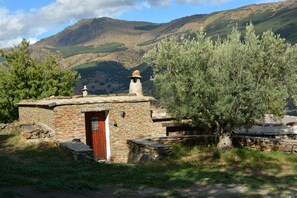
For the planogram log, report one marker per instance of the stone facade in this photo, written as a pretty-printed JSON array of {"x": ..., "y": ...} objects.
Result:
[
  {"x": 37, "y": 114},
  {"x": 67, "y": 118}
]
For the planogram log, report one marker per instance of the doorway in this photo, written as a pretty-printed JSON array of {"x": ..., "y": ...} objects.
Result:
[{"x": 96, "y": 134}]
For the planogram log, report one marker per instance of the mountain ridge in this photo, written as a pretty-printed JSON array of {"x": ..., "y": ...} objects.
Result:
[{"x": 91, "y": 42}]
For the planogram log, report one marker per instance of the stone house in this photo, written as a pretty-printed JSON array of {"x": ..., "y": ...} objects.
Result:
[{"x": 104, "y": 122}]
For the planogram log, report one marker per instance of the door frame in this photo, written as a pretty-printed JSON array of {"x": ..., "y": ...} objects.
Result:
[{"x": 107, "y": 133}]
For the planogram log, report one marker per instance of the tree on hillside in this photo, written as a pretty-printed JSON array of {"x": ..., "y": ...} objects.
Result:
[
  {"x": 225, "y": 84},
  {"x": 24, "y": 77}
]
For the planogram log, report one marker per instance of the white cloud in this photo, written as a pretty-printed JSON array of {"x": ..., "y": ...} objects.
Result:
[
  {"x": 32, "y": 40},
  {"x": 154, "y": 3},
  {"x": 37, "y": 21},
  {"x": 199, "y": 2},
  {"x": 10, "y": 42}
]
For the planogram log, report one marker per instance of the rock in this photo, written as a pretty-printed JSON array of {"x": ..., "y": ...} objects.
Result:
[
  {"x": 34, "y": 137},
  {"x": 26, "y": 134},
  {"x": 146, "y": 157},
  {"x": 225, "y": 142},
  {"x": 43, "y": 145},
  {"x": 2, "y": 126},
  {"x": 36, "y": 131}
]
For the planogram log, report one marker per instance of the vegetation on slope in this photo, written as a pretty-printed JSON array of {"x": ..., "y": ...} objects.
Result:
[
  {"x": 280, "y": 17},
  {"x": 103, "y": 77},
  {"x": 68, "y": 51},
  {"x": 148, "y": 42},
  {"x": 148, "y": 27}
]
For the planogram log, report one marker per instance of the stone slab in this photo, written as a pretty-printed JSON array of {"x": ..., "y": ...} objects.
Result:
[
  {"x": 76, "y": 146},
  {"x": 147, "y": 142}
]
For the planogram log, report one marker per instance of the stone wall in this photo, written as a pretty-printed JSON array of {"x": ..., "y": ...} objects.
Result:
[
  {"x": 35, "y": 114},
  {"x": 137, "y": 123},
  {"x": 156, "y": 148},
  {"x": 69, "y": 123},
  {"x": 265, "y": 144}
]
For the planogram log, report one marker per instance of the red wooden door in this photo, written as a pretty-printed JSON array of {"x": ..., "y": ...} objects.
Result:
[{"x": 95, "y": 134}]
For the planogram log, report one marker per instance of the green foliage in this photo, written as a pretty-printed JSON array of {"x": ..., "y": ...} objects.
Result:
[
  {"x": 148, "y": 42},
  {"x": 180, "y": 150},
  {"x": 147, "y": 27},
  {"x": 68, "y": 51},
  {"x": 225, "y": 84},
  {"x": 115, "y": 72},
  {"x": 23, "y": 77}
]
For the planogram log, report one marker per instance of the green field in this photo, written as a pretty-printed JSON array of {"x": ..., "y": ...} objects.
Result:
[
  {"x": 49, "y": 169},
  {"x": 68, "y": 51},
  {"x": 147, "y": 27}
]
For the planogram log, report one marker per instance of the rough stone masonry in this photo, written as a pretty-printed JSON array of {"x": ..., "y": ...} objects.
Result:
[{"x": 128, "y": 116}]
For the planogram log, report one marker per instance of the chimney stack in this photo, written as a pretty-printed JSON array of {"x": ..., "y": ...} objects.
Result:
[
  {"x": 135, "y": 83},
  {"x": 85, "y": 91}
]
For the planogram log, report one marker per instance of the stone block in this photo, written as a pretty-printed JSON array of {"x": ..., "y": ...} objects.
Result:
[{"x": 27, "y": 135}]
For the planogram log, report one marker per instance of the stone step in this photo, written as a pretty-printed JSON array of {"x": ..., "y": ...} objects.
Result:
[{"x": 78, "y": 150}]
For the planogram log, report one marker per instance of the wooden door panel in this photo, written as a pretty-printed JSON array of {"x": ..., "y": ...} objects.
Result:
[
  {"x": 102, "y": 136},
  {"x": 95, "y": 134}
]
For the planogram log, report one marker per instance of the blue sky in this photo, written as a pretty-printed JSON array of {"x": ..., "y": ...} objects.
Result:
[{"x": 37, "y": 19}]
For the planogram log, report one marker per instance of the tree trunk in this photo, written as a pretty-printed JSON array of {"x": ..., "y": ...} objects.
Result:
[{"x": 225, "y": 141}]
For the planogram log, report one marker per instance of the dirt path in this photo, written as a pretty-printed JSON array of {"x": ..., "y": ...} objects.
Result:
[{"x": 215, "y": 191}]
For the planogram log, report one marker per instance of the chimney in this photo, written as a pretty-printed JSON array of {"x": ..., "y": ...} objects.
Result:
[
  {"x": 85, "y": 91},
  {"x": 135, "y": 83}
]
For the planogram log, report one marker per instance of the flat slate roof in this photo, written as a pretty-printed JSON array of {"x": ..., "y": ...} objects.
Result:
[{"x": 59, "y": 101}]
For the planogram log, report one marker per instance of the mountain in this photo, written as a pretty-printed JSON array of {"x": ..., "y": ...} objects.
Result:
[{"x": 106, "y": 50}]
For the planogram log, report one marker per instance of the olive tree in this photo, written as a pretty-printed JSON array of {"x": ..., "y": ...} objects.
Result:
[
  {"x": 224, "y": 84},
  {"x": 24, "y": 77}
]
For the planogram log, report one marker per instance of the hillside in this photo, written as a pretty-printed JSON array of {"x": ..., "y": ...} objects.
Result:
[{"x": 106, "y": 48}]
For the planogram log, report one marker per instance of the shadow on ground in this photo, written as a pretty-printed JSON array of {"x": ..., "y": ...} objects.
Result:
[{"x": 34, "y": 171}]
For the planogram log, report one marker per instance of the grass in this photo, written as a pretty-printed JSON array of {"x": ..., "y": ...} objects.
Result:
[
  {"x": 72, "y": 50},
  {"x": 51, "y": 170}
]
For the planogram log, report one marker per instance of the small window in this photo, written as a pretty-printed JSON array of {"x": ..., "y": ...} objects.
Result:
[{"x": 94, "y": 123}]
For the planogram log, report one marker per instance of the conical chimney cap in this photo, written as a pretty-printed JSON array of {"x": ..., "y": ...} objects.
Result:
[{"x": 136, "y": 74}]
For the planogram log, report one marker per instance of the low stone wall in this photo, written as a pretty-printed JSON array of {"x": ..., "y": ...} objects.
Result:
[
  {"x": 156, "y": 148},
  {"x": 265, "y": 144},
  {"x": 150, "y": 149},
  {"x": 36, "y": 131},
  {"x": 276, "y": 134},
  {"x": 190, "y": 140},
  {"x": 144, "y": 150}
]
